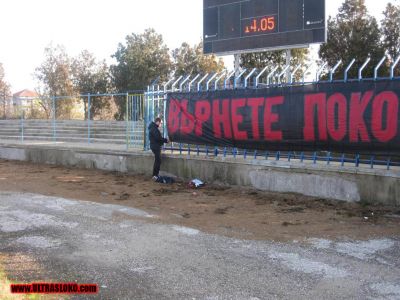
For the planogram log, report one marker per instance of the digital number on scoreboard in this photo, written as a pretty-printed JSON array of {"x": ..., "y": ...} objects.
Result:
[{"x": 251, "y": 25}]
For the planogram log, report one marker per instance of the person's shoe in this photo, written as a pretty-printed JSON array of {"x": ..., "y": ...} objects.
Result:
[{"x": 154, "y": 178}]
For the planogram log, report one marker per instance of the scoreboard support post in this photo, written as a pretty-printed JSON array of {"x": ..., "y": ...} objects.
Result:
[
  {"x": 236, "y": 64},
  {"x": 288, "y": 59}
]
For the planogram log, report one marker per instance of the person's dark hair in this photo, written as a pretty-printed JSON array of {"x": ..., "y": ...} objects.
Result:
[{"x": 157, "y": 120}]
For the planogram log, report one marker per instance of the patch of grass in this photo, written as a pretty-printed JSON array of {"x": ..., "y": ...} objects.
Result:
[{"x": 5, "y": 292}]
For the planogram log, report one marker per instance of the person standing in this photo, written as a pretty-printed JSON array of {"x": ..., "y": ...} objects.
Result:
[{"x": 156, "y": 143}]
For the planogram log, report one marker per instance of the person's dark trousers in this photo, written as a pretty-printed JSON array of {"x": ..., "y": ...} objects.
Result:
[{"x": 157, "y": 160}]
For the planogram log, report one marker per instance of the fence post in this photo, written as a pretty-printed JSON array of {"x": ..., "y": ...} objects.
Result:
[
  {"x": 127, "y": 120},
  {"x": 146, "y": 117},
  {"x": 165, "y": 129},
  {"x": 88, "y": 120},
  {"x": 22, "y": 125},
  {"x": 54, "y": 118}
]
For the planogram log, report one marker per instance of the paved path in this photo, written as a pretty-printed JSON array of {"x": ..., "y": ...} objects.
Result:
[{"x": 132, "y": 258}]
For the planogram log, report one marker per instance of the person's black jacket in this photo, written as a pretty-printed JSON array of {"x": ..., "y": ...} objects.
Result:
[{"x": 156, "y": 139}]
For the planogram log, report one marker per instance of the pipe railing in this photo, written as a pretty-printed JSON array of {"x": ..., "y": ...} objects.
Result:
[
  {"x": 376, "y": 69},
  {"x": 201, "y": 81},
  {"x": 392, "y": 68},
  {"x": 346, "y": 71},
  {"x": 228, "y": 78},
  {"x": 319, "y": 71},
  {"x": 333, "y": 70},
  {"x": 293, "y": 74},
  {"x": 224, "y": 73},
  {"x": 253, "y": 78},
  {"x": 210, "y": 80},
  {"x": 246, "y": 79},
  {"x": 237, "y": 78},
  {"x": 193, "y": 81},
  {"x": 183, "y": 83},
  {"x": 284, "y": 71},
  {"x": 271, "y": 74},
  {"x": 259, "y": 76},
  {"x": 363, "y": 67},
  {"x": 175, "y": 83},
  {"x": 307, "y": 71},
  {"x": 167, "y": 84}
]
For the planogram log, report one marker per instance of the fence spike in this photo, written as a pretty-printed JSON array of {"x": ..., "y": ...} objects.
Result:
[
  {"x": 235, "y": 82},
  {"x": 346, "y": 72},
  {"x": 183, "y": 82},
  {"x": 284, "y": 71},
  {"x": 224, "y": 73},
  {"x": 248, "y": 77},
  {"x": 209, "y": 81},
  {"x": 175, "y": 83},
  {"x": 378, "y": 66},
  {"x": 306, "y": 71},
  {"x": 271, "y": 74},
  {"x": 193, "y": 80},
  {"x": 396, "y": 62},
  {"x": 259, "y": 76},
  {"x": 319, "y": 71},
  {"x": 201, "y": 81},
  {"x": 333, "y": 70},
  {"x": 166, "y": 85},
  {"x": 228, "y": 77},
  {"x": 363, "y": 67},
  {"x": 294, "y": 73}
]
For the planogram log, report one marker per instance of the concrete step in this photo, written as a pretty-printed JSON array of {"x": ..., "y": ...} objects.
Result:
[
  {"x": 67, "y": 140},
  {"x": 65, "y": 121},
  {"x": 50, "y": 134},
  {"x": 108, "y": 129},
  {"x": 69, "y": 123}
]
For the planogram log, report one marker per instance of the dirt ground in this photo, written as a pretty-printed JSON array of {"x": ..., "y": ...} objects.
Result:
[{"x": 230, "y": 211}]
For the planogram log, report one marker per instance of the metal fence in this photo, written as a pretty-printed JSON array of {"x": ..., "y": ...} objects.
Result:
[
  {"x": 116, "y": 119},
  {"x": 275, "y": 76},
  {"x": 121, "y": 119}
]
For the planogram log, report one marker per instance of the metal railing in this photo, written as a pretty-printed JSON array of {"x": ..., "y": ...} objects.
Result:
[
  {"x": 116, "y": 118},
  {"x": 270, "y": 76}
]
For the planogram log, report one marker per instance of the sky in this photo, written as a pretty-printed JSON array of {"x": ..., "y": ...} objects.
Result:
[{"x": 27, "y": 27}]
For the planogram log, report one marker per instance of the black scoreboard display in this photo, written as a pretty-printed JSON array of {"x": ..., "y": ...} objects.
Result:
[{"x": 253, "y": 25}]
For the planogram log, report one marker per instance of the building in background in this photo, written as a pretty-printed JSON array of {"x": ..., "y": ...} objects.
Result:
[{"x": 26, "y": 100}]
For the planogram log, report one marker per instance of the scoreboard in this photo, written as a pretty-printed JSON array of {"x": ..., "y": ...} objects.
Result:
[{"x": 241, "y": 26}]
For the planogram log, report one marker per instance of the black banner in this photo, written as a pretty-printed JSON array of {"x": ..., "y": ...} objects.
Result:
[{"x": 360, "y": 117}]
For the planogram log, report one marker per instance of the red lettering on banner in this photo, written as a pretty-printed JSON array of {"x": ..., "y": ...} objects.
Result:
[
  {"x": 255, "y": 104},
  {"x": 187, "y": 120},
  {"x": 318, "y": 100},
  {"x": 237, "y": 119},
  {"x": 202, "y": 114},
  {"x": 392, "y": 107},
  {"x": 221, "y": 118},
  {"x": 357, "y": 127},
  {"x": 173, "y": 116},
  {"x": 271, "y": 118},
  {"x": 337, "y": 100}
]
